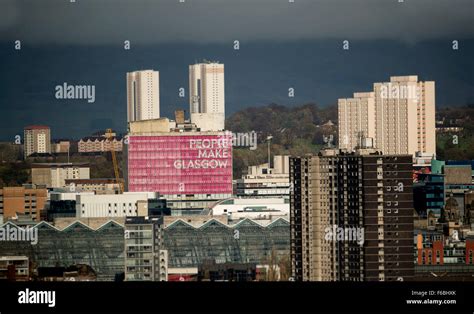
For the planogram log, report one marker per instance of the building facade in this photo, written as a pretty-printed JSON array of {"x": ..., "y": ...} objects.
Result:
[
  {"x": 28, "y": 200},
  {"x": 207, "y": 96},
  {"x": 143, "y": 95},
  {"x": 351, "y": 217},
  {"x": 190, "y": 169},
  {"x": 145, "y": 258},
  {"x": 117, "y": 205},
  {"x": 99, "y": 144},
  {"x": 37, "y": 139},
  {"x": 54, "y": 175},
  {"x": 398, "y": 117},
  {"x": 262, "y": 180}
]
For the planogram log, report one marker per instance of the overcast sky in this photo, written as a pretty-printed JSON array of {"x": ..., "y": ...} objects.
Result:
[{"x": 203, "y": 21}]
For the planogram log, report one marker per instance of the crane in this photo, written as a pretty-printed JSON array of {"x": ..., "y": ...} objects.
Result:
[{"x": 109, "y": 136}]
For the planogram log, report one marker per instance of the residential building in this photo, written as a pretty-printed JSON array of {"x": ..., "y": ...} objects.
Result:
[
  {"x": 145, "y": 258},
  {"x": 351, "y": 216},
  {"x": 398, "y": 117},
  {"x": 28, "y": 200},
  {"x": 37, "y": 139},
  {"x": 94, "y": 144},
  {"x": 207, "y": 95},
  {"x": 143, "y": 95},
  {"x": 54, "y": 175}
]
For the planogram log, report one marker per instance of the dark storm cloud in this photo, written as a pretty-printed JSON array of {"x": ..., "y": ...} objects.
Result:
[{"x": 202, "y": 21}]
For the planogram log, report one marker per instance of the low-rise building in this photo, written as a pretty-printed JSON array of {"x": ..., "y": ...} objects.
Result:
[
  {"x": 253, "y": 208},
  {"x": 263, "y": 180},
  {"x": 119, "y": 205},
  {"x": 28, "y": 200},
  {"x": 14, "y": 268},
  {"x": 54, "y": 175},
  {"x": 99, "y": 186}
]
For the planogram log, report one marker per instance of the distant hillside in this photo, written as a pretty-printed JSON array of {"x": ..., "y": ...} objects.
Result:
[
  {"x": 295, "y": 130},
  {"x": 447, "y": 146}
]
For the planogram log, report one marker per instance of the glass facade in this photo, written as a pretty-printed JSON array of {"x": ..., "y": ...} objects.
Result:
[
  {"x": 102, "y": 248},
  {"x": 244, "y": 242},
  {"x": 181, "y": 164}
]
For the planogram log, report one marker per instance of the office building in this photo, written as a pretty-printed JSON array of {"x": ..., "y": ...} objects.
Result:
[
  {"x": 117, "y": 205},
  {"x": 37, "y": 139},
  {"x": 207, "y": 95},
  {"x": 262, "y": 180},
  {"x": 191, "y": 170},
  {"x": 398, "y": 117},
  {"x": 28, "y": 200},
  {"x": 351, "y": 217},
  {"x": 143, "y": 95},
  {"x": 54, "y": 175}
]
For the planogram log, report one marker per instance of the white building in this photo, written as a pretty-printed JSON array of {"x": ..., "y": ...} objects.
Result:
[
  {"x": 253, "y": 208},
  {"x": 261, "y": 180},
  {"x": 54, "y": 175},
  {"x": 207, "y": 96},
  {"x": 143, "y": 95},
  {"x": 398, "y": 117},
  {"x": 119, "y": 205}
]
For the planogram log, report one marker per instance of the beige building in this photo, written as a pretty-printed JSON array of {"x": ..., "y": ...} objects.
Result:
[
  {"x": 398, "y": 117},
  {"x": 262, "y": 180},
  {"x": 207, "y": 95},
  {"x": 54, "y": 175},
  {"x": 37, "y": 139},
  {"x": 28, "y": 200},
  {"x": 358, "y": 120},
  {"x": 99, "y": 144},
  {"x": 61, "y": 146},
  {"x": 143, "y": 95}
]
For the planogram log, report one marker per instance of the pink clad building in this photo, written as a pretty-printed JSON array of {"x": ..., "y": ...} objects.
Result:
[{"x": 178, "y": 163}]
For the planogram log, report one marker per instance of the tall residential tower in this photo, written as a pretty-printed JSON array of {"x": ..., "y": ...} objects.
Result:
[
  {"x": 207, "y": 96},
  {"x": 398, "y": 117},
  {"x": 143, "y": 95}
]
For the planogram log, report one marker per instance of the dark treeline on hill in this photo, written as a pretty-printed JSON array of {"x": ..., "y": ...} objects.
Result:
[
  {"x": 447, "y": 145},
  {"x": 295, "y": 130}
]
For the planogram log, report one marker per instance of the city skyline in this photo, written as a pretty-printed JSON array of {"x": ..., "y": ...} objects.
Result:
[{"x": 303, "y": 51}]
